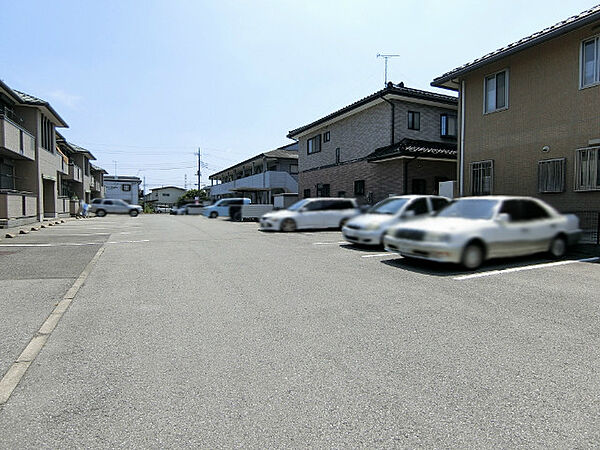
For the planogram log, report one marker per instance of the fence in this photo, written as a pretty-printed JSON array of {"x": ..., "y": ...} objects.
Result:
[{"x": 589, "y": 222}]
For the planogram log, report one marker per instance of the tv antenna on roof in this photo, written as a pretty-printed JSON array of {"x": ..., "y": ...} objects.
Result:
[{"x": 385, "y": 57}]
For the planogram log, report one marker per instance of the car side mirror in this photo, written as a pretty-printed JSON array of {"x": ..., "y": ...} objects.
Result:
[{"x": 503, "y": 218}]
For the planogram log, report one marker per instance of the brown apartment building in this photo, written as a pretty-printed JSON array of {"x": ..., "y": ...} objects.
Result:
[
  {"x": 395, "y": 141},
  {"x": 529, "y": 117}
]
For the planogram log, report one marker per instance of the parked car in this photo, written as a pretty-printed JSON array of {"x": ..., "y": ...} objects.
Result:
[
  {"x": 311, "y": 213},
  {"x": 474, "y": 229},
  {"x": 104, "y": 206},
  {"x": 368, "y": 228},
  {"x": 221, "y": 207}
]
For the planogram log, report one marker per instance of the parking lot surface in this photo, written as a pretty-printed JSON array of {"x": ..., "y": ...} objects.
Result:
[{"x": 209, "y": 333}]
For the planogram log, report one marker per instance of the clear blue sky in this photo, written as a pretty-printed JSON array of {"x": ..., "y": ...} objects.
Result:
[{"x": 146, "y": 82}]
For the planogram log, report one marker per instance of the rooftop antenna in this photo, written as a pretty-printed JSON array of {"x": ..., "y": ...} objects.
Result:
[{"x": 385, "y": 57}]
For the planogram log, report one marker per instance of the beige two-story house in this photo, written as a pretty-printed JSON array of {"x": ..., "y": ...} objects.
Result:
[
  {"x": 529, "y": 117},
  {"x": 395, "y": 141}
]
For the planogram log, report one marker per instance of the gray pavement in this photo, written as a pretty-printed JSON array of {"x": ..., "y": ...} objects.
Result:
[{"x": 192, "y": 332}]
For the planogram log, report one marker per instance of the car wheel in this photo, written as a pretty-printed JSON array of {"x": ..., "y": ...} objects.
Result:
[
  {"x": 237, "y": 217},
  {"x": 100, "y": 213},
  {"x": 213, "y": 215},
  {"x": 558, "y": 247},
  {"x": 472, "y": 256},
  {"x": 133, "y": 213},
  {"x": 288, "y": 225}
]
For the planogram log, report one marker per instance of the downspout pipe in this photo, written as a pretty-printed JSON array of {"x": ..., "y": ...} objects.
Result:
[
  {"x": 406, "y": 163},
  {"x": 461, "y": 150}
]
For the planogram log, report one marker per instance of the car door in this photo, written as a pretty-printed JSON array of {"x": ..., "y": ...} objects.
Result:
[
  {"x": 223, "y": 208},
  {"x": 417, "y": 207},
  {"x": 309, "y": 216},
  {"x": 541, "y": 226},
  {"x": 108, "y": 206},
  {"x": 509, "y": 238}
]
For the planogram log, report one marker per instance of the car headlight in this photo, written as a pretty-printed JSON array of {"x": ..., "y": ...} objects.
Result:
[
  {"x": 438, "y": 237},
  {"x": 371, "y": 227}
]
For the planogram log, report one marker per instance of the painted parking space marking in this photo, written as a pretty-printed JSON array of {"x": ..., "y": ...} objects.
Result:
[
  {"x": 380, "y": 255},
  {"x": 329, "y": 243},
  {"x": 524, "y": 268},
  {"x": 74, "y": 244}
]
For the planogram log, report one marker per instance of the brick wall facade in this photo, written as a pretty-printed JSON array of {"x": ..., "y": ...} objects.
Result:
[
  {"x": 546, "y": 108},
  {"x": 381, "y": 179}
]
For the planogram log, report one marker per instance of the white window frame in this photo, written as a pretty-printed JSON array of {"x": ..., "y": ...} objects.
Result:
[
  {"x": 552, "y": 168},
  {"x": 506, "y": 90},
  {"x": 596, "y": 81},
  {"x": 589, "y": 182},
  {"x": 491, "y": 183}
]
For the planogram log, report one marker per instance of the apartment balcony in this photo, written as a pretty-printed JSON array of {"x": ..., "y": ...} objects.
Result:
[
  {"x": 75, "y": 173},
  {"x": 15, "y": 141},
  {"x": 260, "y": 182}
]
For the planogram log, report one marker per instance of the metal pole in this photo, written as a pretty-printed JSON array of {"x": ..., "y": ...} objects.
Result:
[{"x": 199, "y": 163}]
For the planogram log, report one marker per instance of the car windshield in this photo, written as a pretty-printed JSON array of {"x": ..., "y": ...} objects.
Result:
[
  {"x": 470, "y": 209},
  {"x": 299, "y": 204},
  {"x": 388, "y": 206}
]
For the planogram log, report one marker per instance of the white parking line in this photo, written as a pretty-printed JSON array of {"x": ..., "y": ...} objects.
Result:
[
  {"x": 520, "y": 269},
  {"x": 329, "y": 243},
  {"x": 379, "y": 255},
  {"x": 73, "y": 244}
]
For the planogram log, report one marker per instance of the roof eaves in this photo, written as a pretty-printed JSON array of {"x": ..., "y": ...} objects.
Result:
[
  {"x": 28, "y": 99},
  {"x": 390, "y": 90},
  {"x": 563, "y": 27}
]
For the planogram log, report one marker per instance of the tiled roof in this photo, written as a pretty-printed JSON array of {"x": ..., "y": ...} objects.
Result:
[
  {"x": 289, "y": 151},
  {"x": 27, "y": 98},
  {"x": 397, "y": 89},
  {"x": 79, "y": 149},
  {"x": 558, "y": 29},
  {"x": 412, "y": 147}
]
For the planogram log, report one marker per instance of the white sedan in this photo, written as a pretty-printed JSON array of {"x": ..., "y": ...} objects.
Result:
[
  {"x": 311, "y": 213},
  {"x": 369, "y": 228},
  {"x": 474, "y": 229}
]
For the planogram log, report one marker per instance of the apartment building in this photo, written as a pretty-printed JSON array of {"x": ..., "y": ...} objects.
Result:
[
  {"x": 29, "y": 164},
  {"x": 395, "y": 141},
  {"x": 164, "y": 195},
  {"x": 529, "y": 116},
  {"x": 123, "y": 187},
  {"x": 79, "y": 181},
  {"x": 260, "y": 177}
]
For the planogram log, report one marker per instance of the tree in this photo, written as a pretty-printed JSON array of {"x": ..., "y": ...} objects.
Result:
[{"x": 190, "y": 196}]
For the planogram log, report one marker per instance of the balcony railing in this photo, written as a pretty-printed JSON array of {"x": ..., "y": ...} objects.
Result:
[
  {"x": 266, "y": 180},
  {"x": 16, "y": 139}
]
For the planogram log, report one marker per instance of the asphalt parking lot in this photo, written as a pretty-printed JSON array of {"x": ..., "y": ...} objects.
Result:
[{"x": 198, "y": 332}]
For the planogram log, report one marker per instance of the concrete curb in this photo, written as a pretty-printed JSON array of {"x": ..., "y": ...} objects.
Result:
[{"x": 17, "y": 370}]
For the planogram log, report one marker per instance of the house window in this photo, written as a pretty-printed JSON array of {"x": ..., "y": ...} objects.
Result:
[
  {"x": 359, "y": 187},
  {"x": 341, "y": 194},
  {"x": 47, "y": 133},
  {"x": 313, "y": 145},
  {"x": 7, "y": 176},
  {"x": 447, "y": 125},
  {"x": 306, "y": 193},
  {"x": 587, "y": 169},
  {"x": 419, "y": 186},
  {"x": 166, "y": 194},
  {"x": 126, "y": 187},
  {"x": 496, "y": 92},
  {"x": 294, "y": 168},
  {"x": 322, "y": 190},
  {"x": 482, "y": 176},
  {"x": 326, "y": 136},
  {"x": 337, "y": 155},
  {"x": 414, "y": 120},
  {"x": 590, "y": 62},
  {"x": 551, "y": 175}
]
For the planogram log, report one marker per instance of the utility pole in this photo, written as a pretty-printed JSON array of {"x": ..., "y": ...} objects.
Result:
[
  {"x": 185, "y": 181},
  {"x": 115, "y": 167},
  {"x": 199, "y": 167},
  {"x": 385, "y": 57}
]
